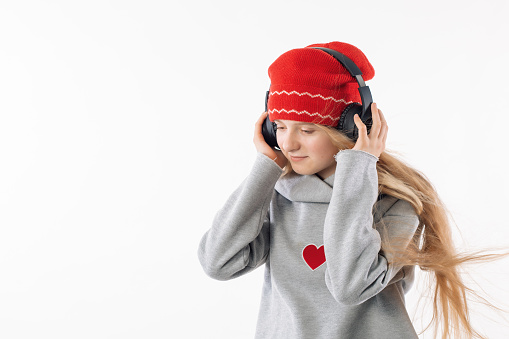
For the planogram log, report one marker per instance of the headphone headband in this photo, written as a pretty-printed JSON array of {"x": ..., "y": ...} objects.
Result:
[{"x": 352, "y": 68}]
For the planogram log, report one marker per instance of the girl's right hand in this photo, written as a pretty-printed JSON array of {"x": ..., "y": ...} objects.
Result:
[{"x": 263, "y": 147}]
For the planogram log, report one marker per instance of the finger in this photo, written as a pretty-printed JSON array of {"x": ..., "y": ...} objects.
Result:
[
  {"x": 258, "y": 125},
  {"x": 385, "y": 126},
  {"x": 363, "y": 131},
  {"x": 375, "y": 128},
  {"x": 261, "y": 118},
  {"x": 382, "y": 116},
  {"x": 384, "y": 133}
]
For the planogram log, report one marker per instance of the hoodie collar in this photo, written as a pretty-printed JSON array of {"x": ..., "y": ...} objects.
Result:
[
  {"x": 305, "y": 188},
  {"x": 310, "y": 188}
]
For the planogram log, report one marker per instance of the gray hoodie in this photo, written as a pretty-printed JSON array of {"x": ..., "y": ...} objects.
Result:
[{"x": 320, "y": 241}]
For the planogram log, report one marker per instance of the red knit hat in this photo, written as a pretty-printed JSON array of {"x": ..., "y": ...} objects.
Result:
[{"x": 309, "y": 85}]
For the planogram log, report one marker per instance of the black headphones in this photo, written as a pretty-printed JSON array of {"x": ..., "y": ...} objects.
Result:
[{"x": 346, "y": 123}]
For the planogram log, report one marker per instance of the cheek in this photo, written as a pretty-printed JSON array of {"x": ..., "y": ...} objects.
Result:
[
  {"x": 325, "y": 149},
  {"x": 280, "y": 140}
]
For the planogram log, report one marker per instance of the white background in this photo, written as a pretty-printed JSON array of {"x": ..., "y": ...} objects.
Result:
[{"x": 125, "y": 125}]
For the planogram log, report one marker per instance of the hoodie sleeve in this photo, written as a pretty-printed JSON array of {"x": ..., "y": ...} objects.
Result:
[
  {"x": 238, "y": 240},
  {"x": 356, "y": 268}
]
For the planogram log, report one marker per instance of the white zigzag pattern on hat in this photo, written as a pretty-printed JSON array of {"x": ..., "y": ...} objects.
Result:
[
  {"x": 311, "y": 95},
  {"x": 302, "y": 112}
]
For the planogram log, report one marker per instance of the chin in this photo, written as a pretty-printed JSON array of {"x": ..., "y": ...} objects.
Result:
[{"x": 303, "y": 172}]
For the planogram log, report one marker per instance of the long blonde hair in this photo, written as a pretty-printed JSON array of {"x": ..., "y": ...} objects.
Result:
[{"x": 432, "y": 248}]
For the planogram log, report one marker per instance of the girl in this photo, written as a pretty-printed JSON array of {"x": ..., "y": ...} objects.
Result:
[{"x": 339, "y": 223}]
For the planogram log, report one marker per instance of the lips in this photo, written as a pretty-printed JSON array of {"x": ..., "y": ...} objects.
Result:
[{"x": 297, "y": 158}]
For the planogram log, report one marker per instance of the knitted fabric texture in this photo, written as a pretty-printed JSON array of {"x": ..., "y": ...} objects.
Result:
[{"x": 309, "y": 85}]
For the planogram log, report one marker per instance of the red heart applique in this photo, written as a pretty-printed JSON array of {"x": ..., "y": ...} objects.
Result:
[{"x": 313, "y": 256}]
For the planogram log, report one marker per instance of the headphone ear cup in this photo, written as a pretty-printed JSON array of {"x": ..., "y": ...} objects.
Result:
[
  {"x": 269, "y": 129},
  {"x": 347, "y": 124}
]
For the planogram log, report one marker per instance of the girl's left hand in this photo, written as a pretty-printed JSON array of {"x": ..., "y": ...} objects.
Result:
[{"x": 373, "y": 143}]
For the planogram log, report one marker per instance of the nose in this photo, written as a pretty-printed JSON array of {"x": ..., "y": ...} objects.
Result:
[{"x": 290, "y": 141}]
